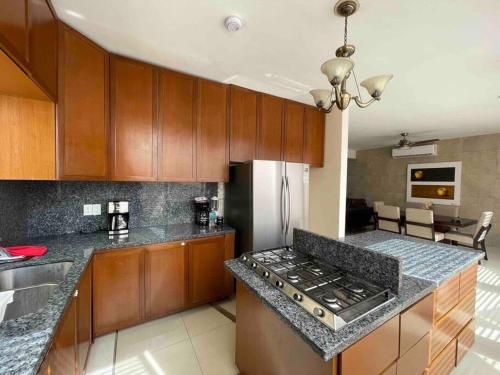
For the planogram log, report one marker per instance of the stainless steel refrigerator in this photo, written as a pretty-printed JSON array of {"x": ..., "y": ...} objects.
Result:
[{"x": 264, "y": 202}]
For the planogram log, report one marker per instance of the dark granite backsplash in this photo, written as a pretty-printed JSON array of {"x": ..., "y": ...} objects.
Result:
[
  {"x": 42, "y": 208},
  {"x": 382, "y": 269}
]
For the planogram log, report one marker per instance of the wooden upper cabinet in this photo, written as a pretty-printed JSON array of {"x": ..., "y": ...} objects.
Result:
[
  {"x": 133, "y": 120},
  {"x": 212, "y": 132},
  {"x": 314, "y": 137},
  {"x": 177, "y": 127},
  {"x": 118, "y": 290},
  {"x": 270, "y": 128},
  {"x": 165, "y": 278},
  {"x": 294, "y": 132},
  {"x": 43, "y": 45},
  {"x": 243, "y": 124},
  {"x": 207, "y": 280},
  {"x": 14, "y": 28},
  {"x": 83, "y": 108}
]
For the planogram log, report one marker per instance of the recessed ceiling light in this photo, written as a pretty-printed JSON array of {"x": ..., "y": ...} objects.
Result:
[
  {"x": 233, "y": 23},
  {"x": 72, "y": 13}
]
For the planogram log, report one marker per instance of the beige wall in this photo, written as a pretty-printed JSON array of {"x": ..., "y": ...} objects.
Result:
[
  {"x": 374, "y": 175},
  {"x": 328, "y": 185}
]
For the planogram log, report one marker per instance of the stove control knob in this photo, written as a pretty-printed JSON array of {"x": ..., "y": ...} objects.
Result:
[
  {"x": 265, "y": 274},
  {"x": 254, "y": 265},
  {"x": 244, "y": 258},
  {"x": 279, "y": 284},
  {"x": 298, "y": 297},
  {"x": 319, "y": 312}
]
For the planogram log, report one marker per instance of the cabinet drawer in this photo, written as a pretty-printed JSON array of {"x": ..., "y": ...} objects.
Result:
[
  {"x": 448, "y": 327},
  {"x": 468, "y": 281},
  {"x": 445, "y": 361},
  {"x": 416, "y": 359},
  {"x": 383, "y": 346},
  {"x": 465, "y": 340},
  {"x": 416, "y": 322},
  {"x": 446, "y": 296},
  {"x": 391, "y": 370}
]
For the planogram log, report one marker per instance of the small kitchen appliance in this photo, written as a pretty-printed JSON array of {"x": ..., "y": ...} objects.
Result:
[
  {"x": 118, "y": 218},
  {"x": 330, "y": 294},
  {"x": 202, "y": 209}
]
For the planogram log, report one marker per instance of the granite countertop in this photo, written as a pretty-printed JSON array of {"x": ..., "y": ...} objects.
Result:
[
  {"x": 424, "y": 266},
  {"x": 24, "y": 341},
  {"x": 421, "y": 258},
  {"x": 323, "y": 340}
]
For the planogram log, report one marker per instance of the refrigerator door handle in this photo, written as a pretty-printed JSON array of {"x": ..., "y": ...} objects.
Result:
[
  {"x": 282, "y": 205},
  {"x": 289, "y": 205}
]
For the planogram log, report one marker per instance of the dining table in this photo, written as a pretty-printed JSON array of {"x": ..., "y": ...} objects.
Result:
[{"x": 448, "y": 222}]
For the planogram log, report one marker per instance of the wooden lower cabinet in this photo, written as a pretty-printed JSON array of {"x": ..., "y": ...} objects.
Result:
[
  {"x": 118, "y": 289},
  {"x": 373, "y": 353},
  {"x": 206, "y": 270},
  {"x": 415, "y": 323},
  {"x": 63, "y": 355},
  {"x": 445, "y": 361},
  {"x": 465, "y": 340},
  {"x": 166, "y": 278},
  {"x": 84, "y": 318},
  {"x": 446, "y": 296},
  {"x": 415, "y": 360}
]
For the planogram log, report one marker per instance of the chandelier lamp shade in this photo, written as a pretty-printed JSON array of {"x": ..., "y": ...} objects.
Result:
[{"x": 339, "y": 69}]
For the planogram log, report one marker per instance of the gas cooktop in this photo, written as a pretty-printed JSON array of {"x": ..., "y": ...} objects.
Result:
[{"x": 332, "y": 295}]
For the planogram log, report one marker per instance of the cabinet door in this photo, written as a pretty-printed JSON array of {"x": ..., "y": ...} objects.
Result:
[
  {"x": 270, "y": 134},
  {"x": 177, "y": 127},
  {"x": 117, "y": 289},
  {"x": 133, "y": 120},
  {"x": 83, "y": 108},
  {"x": 212, "y": 133},
  {"x": 206, "y": 270},
  {"x": 294, "y": 132},
  {"x": 43, "y": 45},
  {"x": 165, "y": 278},
  {"x": 314, "y": 137},
  {"x": 63, "y": 355},
  {"x": 14, "y": 28},
  {"x": 84, "y": 324},
  {"x": 243, "y": 124}
]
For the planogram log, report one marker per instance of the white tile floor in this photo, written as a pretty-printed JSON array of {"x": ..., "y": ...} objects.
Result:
[{"x": 201, "y": 341}]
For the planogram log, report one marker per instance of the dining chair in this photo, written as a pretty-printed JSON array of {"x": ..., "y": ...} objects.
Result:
[
  {"x": 376, "y": 207},
  {"x": 476, "y": 240},
  {"x": 388, "y": 218},
  {"x": 420, "y": 223},
  {"x": 445, "y": 210}
]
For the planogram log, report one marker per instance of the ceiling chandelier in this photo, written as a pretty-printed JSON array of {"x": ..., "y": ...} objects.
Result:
[{"x": 339, "y": 69}]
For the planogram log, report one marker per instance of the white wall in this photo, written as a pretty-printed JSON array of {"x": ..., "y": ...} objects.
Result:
[{"x": 328, "y": 185}]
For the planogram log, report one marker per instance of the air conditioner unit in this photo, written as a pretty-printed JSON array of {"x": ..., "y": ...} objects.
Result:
[{"x": 427, "y": 150}]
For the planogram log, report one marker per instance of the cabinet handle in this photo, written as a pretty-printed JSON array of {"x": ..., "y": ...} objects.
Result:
[
  {"x": 183, "y": 244},
  {"x": 75, "y": 294}
]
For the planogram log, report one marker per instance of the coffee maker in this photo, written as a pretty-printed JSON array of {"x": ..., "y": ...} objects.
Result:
[
  {"x": 202, "y": 209},
  {"x": 118, "y": 218}
]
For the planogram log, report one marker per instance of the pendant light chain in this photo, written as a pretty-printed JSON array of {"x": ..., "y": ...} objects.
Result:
[{"x": 345, "y": 31}]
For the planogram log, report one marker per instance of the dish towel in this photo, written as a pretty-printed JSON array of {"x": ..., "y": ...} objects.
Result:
[{"x": 27, "y": 251}]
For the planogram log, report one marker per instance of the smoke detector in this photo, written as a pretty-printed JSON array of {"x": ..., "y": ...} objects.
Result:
[{"x": 233, "y": 23}]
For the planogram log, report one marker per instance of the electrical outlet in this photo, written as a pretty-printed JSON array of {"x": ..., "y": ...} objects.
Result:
[
  {"x": 87, "y": 210},
  {"x": 96, "y": 209}
]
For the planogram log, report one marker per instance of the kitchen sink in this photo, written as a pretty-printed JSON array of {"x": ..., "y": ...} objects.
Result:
[
  {"x": 24, "y": 277},
  {"x": 26, "y": 289}
]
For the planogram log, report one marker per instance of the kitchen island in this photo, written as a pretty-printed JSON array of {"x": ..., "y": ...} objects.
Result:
[{"x": 427, "y": 327}]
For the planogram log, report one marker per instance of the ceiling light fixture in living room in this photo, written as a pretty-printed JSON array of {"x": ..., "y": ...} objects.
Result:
[{"x": 339, "y": 69}]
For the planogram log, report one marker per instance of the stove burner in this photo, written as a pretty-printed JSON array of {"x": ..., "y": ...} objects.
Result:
[
  {"x": 292, "y": 275},
  {"x": 288, "y": 256},
  {"x": 329, "y": 298},
  {"x": 315, "y": 269},
  {"x": 356, "y": 288}
]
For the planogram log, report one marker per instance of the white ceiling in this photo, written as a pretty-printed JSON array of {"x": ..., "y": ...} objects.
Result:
[{"x": 444, "y": 54}]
